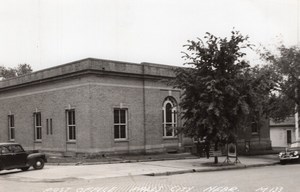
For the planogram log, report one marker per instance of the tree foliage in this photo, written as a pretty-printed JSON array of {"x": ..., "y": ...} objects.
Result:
[
  {"x": 21, "y": 69},
  {"x": 286, "y": 64},
  {"x": 220, "y": 89}
]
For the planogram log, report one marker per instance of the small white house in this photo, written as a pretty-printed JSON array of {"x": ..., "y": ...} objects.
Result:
[{"x": 282, "y": 134}]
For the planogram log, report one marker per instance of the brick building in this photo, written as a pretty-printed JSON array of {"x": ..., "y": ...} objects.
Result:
[{"x": 93, "y": 105}]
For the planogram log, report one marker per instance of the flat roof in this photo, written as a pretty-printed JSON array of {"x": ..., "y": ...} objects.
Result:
[{"x": 91, "y": 65}]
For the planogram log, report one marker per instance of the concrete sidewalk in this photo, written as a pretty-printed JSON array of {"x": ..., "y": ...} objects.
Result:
[
  {"x": 52, "y": 173},
  {"x": 205, "y": 165}
]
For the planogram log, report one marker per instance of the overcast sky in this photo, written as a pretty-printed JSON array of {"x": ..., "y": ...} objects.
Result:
[{"x": 46, "y": 33}]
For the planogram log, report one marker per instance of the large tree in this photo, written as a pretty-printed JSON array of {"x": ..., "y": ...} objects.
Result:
[
  {"x": 286, "y": 64},
  {"x": 21, "y": 69},
  {"x": 220, "y": 89}
]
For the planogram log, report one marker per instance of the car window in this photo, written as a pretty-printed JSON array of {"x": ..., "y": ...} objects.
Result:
[
  {"x": 15, "y": 148},
  {"x": 4, "y": 150}
]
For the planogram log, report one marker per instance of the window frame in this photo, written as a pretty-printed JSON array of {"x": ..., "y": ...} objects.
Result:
[
  {"x": 38, "y": 127},
  {"x": 11, "y": 128},
  {"x": 119, "y": 124},
  {"x": 71, "y": 126},
  {"x": 174, "y": 118}
]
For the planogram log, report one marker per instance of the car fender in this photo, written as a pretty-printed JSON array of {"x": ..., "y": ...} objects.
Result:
[{"x": 31, "y": 158}]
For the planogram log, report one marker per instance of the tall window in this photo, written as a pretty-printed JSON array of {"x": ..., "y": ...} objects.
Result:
[
  {"x": 71, "y": 126},
  {"x": 120, "y": 124},
  {"x": 169, "y": 118},
  {"x": 37, "y": 126},
  {"x": 11, "y": 127}
]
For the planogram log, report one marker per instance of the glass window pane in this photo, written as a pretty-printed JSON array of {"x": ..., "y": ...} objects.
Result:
[
  {"x": 39, "y": 133},
  {"x": 116, "y": 132},
  {"x": 18, "y": 149},
  {"x": 174, "y": 116},
  {"x": 72, "y": 133},
  {"x": 47, "y": 126},
  {"x": 168, "y": 112},
  {"x": 116, "y": 116},
  {"x": 11, "y": 121},
  {"x": 12, "y": 133},
  {"x": 51, "y": 131},
  {"x": 123, "y": 116},
  {"x": 69, "y": 117},
  {"x": 5, "y": 150},
  {"x": 73, "y": 117},
  {"x": 254, "y": 127},
  {"x": 169, "y": 130},
  {"x": 38, "y": 119},
  {"x": 123, "y": 131}
]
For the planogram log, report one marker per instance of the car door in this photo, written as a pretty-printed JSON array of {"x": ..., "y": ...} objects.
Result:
[
  {"x": 6, "y": 158},
  {"x": 19, "y": 156}
]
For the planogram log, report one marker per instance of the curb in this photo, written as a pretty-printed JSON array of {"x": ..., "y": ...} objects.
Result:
[
  {"x": 117, "y": 161},
  {"x": 241, "y": 166}
]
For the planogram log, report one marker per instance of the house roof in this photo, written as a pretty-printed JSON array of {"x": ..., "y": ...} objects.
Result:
[{"x": 288, "y": 122}]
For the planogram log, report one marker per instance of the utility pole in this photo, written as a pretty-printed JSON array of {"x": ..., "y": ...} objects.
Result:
[
  {"x": 296, "y": 116},
  {"x": 296, "y": 90}
]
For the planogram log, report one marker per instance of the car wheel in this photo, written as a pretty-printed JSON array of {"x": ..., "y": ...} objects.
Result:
[
  {"x": 39, "y": 164},
  {"x": 24, "y": 168}
]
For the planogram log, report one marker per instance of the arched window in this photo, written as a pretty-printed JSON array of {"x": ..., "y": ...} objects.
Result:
[{"x": 169, "y": 117}]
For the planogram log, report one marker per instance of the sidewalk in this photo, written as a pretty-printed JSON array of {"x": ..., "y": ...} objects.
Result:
[
  {"x": 168, "y": 164},
  {"x": 205, "y": 165},
  {"x": 54, "y": 173}
]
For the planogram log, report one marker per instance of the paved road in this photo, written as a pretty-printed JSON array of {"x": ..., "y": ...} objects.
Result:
[{"x": 263, "y": 179}]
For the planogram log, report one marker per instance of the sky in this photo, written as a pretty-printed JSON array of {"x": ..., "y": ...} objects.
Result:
[{"x": 47, "y": 33}]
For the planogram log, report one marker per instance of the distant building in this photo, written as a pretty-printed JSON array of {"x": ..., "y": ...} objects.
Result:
[
  {"x": 282, "y": 134},
  {"x": 100, "y": 106}
]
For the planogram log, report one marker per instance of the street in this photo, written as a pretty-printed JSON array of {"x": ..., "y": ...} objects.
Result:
[{"x": 276, "y": 178}]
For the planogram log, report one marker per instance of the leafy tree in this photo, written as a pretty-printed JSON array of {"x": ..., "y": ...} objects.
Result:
[
  {"x": 21, "y": 69},
  {"x": 220, "y": 89},
  {"x": 286, "y": 64}
]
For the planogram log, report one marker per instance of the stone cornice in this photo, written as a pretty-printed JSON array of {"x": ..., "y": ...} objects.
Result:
[{"x": 91, "y": 66}]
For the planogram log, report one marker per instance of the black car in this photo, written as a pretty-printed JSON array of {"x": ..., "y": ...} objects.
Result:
[
  {"x": 13, "y": 156},
  {"x": 291, "y": 153}
]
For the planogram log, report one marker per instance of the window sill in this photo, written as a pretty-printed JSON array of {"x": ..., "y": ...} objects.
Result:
[
  {"x": 121, "y": 140},
  {"x": 37, "y": 141},
  {"x": 71, "y": 142},
  {"x": 170, "y": 138},
  {"x": 254, "y": 134}
]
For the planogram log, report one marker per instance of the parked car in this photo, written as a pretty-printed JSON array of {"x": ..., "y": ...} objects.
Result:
[
  {"x": 13, "y": 156},
  {"x": 291, "y": 153}
]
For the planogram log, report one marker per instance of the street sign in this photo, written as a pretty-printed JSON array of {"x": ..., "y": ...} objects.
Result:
[{"x": 231, "y": 149}]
